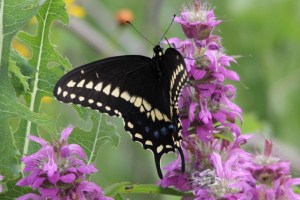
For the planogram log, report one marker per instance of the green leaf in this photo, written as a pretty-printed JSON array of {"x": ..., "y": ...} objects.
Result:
[
  {"x": 101, "y": 133},
  {"x": 9, "y": 164},
  {"x": 296, "y": 189},
  {"x": 13, "y": 16},
  {"x": 18, "y": 81},
  {"x": 44, "y": 77},
  {"x": 21, "y": 62},
  {"x": 23, "y": 80},
  {"x": 14, "y": 191},
  {"x": 118, "y": 197},
  {"x": 11, "y": 108},
  {"x": 225, "y": 135}
]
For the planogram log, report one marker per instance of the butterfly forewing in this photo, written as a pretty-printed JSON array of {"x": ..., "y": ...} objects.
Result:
[
  {"x": 98, "y": 84},
  {"x": 131, "y": 87}
]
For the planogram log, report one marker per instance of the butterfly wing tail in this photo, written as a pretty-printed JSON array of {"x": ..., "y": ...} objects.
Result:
[
  {"x": 182, "y": 160},
  {"x": 157, "y": 158}
]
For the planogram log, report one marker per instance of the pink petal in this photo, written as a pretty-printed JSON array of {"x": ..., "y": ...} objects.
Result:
[
  {"x": 69, "y": 178},
  {"x": 232, "y": 75}
]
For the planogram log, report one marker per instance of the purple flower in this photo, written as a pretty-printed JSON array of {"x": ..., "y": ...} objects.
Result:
[
  {"x": 272, "y": 176},
  {"x": 82, "y": 190},
  {"x": 58, "y": 171},
  {"x": 30, "y": 196},
  {"x": 206, "y": 109},
  {"x": 197, "y": 21},
  {"x": 204, "y": 115},
  {"x": 227, "y": 180},
  {"x": 213, "y": 170},
  {"x": 216, "y": 165}
]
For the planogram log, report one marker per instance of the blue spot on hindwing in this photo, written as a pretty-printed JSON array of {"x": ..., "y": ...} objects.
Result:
[
  {"x": 172, "y": 128},
  {"x": 147, "y": 129},
  {"x": 156, "y": 134},
  {"x": 164, "y": 131}
]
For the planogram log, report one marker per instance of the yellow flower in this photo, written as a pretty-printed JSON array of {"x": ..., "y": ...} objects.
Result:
[
  {"x": 21, "y": 48},
  {"x": 46, "y": 99},
  {"x": 74, "y": 10}
]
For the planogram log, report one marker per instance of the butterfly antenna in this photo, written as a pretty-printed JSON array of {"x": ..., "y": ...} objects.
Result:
[
  {"x": 168, "y": 41},
  {"x": 167, "y": 29},
  {"x": 128, "y": 22}
]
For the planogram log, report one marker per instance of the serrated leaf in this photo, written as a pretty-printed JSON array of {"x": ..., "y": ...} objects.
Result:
[
  {"x": 22, "y": 63},
  {"x": 11, "y": 108},
  {"x": 101, "y": 133},
  {"x": 13, "y": 16},
  {"x": 26, "y": 71},
  {"x": 23, "y": 80},
  {"x": 43, "y": 53}
]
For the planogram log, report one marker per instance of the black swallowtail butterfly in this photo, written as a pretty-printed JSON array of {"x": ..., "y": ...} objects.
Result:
[{"x": 141, "y": 90}]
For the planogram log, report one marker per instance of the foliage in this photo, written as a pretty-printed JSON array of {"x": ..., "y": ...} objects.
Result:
[{"x": 24, "y": 83}]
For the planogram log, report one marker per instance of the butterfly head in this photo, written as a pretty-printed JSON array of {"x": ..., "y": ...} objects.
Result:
[{"x": 158, "y": 51}]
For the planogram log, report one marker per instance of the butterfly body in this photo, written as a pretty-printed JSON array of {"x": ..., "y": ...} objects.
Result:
[{"x": 143, "y": 91}]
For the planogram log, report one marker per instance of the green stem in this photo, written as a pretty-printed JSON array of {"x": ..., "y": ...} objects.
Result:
[{"x": 129, "y": 188}]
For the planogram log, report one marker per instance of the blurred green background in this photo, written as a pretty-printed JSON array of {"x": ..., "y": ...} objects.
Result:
[{"x": 264, "y": 34}]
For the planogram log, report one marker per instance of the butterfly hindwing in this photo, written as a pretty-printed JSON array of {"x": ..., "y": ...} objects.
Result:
[{"x": 141, "y": 90}]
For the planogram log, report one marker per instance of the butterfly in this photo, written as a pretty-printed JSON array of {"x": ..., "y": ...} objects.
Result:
[{"x": 142, "y": 91}]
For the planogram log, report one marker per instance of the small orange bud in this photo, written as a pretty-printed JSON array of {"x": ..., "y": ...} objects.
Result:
[{"x": 124, "y": 15}]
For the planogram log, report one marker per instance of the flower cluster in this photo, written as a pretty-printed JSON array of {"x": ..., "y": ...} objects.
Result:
[
  {"x": 216, "y": 165},
  {"x": 272, "y": 176},
  {"x": 58, "y": 171}
]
